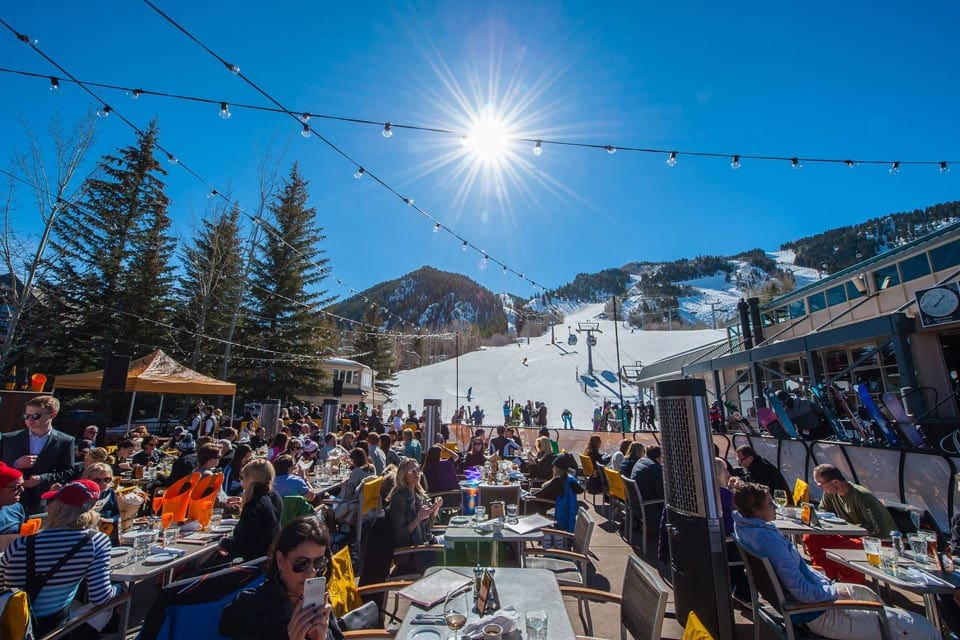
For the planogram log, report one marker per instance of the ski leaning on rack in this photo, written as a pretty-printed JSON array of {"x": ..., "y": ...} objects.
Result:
[
  {"x": 878, "y": 419},
  {"x": 781, "y": 412},
  {"x": 903, "y": 423},
  {"x": 863, "y": 431},
  {"x": 769, "y": 421},
  {"x": 838, "y": 430}
]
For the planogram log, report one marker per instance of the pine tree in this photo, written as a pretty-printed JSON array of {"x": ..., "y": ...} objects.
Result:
[
  {"x": 210, "y": 286},
  {"x": 373, "y": 349},
  {"x": 285, "y": 321},
  {"x": 108, "y": 287}
]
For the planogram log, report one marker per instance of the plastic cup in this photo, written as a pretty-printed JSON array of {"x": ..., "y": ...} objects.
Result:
[
  {"x": 536, "y": 623},
  {"x": 872, "y": 547},
  {"x": 888, "y": 560}
]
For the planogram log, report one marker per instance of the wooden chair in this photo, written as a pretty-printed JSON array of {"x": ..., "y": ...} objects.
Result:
[
  {"x": 643, "y": 604},
  {"x": 368, "y": 507},
  {"x": 509, "y": 494},
  {"x": 569, "y": 567},
  {"x": 617, "y": 492},
  {"x": 777, "y": 610},
  {"x": 638, "y": 507}
]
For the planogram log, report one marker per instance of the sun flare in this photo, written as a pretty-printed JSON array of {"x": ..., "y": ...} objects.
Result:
[{"x": 489, "y": 137}]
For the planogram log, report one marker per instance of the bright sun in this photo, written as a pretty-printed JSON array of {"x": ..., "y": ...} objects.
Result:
[{"x": 489, "y": 137}]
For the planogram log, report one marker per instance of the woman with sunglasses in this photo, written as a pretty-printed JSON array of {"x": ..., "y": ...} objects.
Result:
[
  {"x": 107, "y": 506},
  {"x": 260, "y": 509},
  {"x": 275, "y": 608},
  {"x": 410, "y": 510}
]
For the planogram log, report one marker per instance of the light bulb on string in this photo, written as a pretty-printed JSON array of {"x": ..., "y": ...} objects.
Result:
[
  {"x": 672, "y": 160},
  {"x": 136, "y": 93},
  {"x": 943, "y": 167},
  {"x": 850, "y": 164},
  {"x": 464, "y": 247},
  {"x": 464, "y": 140},
  {"x": 172, "y": 159},
  {"x": 225, "y": 110},
  {"x": 24, "y": 38},
  {"x": 735, "y": 162},
  {"x": 504, "y": 269},
  {"x": 305, "y": 132},
  {"x": 232, "y": 68},
  {"x": 54, "y": 83},
  {"x": 610, "y": 149},
  {"x": 895, "y": 168},
  {"x": 358, "y": 173},
  {"x": 387, "y": 130},
  {"x": 213, "y": 194},
  {"x": 795, "y": 164},
  {"x": 104, "y": 111},
  {"x": 408, "y": 201},
  {"x": 305, "y": 117},
  {"x": 538, "y": 148},
  {"x": 436, "y": 228}
]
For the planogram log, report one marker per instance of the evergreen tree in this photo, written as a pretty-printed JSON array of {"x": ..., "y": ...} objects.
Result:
[
  {"x": 286, "y": 301},
  {"x": 109, "y": 285},
  {"x": 210, "y": 286},
  {"x": 375, "y": 352}
]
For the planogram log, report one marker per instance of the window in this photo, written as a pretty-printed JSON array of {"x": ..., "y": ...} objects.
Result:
[
  {"x": 817, "y": 302},
  {"x": 915, "y": 267},
  {"x": 797, "y": 309},
  {"x": 880, "y": 276},
  {"x": 853, "y": 292},
  {"x": 945, "y": 256},
  {"x": 343, "y": 374},
  {"x": 836, "y": 295}
]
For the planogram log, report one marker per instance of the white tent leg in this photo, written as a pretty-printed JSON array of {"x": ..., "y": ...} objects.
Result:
[
  {"x": 160, "y": 410},
  {"x": 233, "y": 403},
  {"x": 133, "y": 401}
]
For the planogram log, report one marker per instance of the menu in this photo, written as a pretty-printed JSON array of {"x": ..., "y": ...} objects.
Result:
[
  {"x": 527, "y": 524},
  {"x": 434, "y": 588}
]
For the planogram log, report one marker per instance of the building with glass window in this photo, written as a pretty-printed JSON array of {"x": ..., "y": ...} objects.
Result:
[{"x": 357, "y": 379}]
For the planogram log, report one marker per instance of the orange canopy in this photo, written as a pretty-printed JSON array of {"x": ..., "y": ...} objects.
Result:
[{"x": 153, "y": 373}]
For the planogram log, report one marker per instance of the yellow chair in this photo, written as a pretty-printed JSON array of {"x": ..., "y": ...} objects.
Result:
[
  {"x": 801, "y": 492},
  {"x": 345, "y": 595},
  {"x": 694, "y": 629},
  {"x": 447, "y": 448},
  {"x": 617, "y": 492},
  {"x": 589, "y": 470}
]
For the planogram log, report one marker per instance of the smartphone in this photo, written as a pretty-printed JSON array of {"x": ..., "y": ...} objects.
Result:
[{"x": 314, "y": 590}]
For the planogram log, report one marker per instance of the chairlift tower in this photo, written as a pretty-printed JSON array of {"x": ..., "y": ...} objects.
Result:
[{"x": 589, "y": 328}]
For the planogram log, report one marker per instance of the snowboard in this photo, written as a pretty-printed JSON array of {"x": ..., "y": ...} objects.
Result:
[
  {"x": 903, "y": 423},
  {"x": 863, "y": 431},
  {"x": 781, "y": 412},
  {"x": 839, "y": 431},
  {"x": 867, "y": 401},
  {"x": 768, "y": 420}
]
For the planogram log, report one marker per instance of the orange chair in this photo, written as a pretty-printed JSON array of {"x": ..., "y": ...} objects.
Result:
[
  {"x": 176, "y": 499},
  {"x": 30, "y": 527},
  {"x": 203, "y": 497}
]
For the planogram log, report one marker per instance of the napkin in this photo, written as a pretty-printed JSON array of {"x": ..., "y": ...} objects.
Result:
[
  {"x": 915, "y": 575},
  {"x": 167, "y": 550},
  {"x": 508, "y": 618},
  {"x": 489, "y": 525}
]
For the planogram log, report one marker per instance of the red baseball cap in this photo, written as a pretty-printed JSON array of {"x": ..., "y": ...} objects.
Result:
[
  {"x": 76, "y": 493},
  {"x": 8, "y": 475}
]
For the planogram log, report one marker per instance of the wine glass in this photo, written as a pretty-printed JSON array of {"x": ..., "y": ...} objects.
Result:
[
  {"x": 455, "y": 608},
  {"x": 780, "y": 497}
]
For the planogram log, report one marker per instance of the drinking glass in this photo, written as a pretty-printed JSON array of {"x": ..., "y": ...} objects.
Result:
[
  {"x": 780, "y": 497},
  {"x": 481, "y": 513},
  {"x": 918, "y": 548},
  {"x": 932, "y": 546},
  {"x": 872, "y": 548},
  {"x": 889, "y": 560},
  {"x": 141, "y": 545},
  {"x": 455, "y": 608},
  {"x": 170, "y": 536},
  {"x": 216, "y": 518},
  {"x": 513, "y": 512},
  {"x": 536, "y": 622}
]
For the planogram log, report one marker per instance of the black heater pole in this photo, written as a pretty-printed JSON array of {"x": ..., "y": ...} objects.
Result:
[{"x": 616, "y": 339}]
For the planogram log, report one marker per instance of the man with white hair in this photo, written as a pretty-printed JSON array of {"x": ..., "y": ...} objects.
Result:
[{"x": 226, "y": 453}]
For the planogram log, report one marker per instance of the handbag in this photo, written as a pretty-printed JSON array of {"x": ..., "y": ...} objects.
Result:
[{"x": 366, "y": 616}]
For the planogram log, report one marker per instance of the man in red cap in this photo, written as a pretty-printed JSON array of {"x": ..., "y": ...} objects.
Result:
[{"x": 12, "y": 514}]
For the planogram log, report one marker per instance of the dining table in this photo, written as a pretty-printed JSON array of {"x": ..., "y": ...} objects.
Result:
[
  {"x": 521, "y": 589},
  {"x": 467, "y": 533},
  {"x": 191, "y": 547}
]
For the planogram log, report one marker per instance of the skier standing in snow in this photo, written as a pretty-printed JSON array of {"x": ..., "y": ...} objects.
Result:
[
  {"x": 528, "y": 414},
  {"x": 506, "y": 412},
  {"x": 542, "y": 415},
  {"x": 567, "y": 418}
]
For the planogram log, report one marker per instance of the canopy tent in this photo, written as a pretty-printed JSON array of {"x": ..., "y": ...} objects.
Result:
[{"x": 153, "y": 373}]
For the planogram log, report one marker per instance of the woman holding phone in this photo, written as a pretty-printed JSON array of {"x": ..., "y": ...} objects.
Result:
[{"x": 276, "y": 608}]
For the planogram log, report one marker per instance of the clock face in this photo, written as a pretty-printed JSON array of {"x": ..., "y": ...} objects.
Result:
[{"x": 939, "y": 302}]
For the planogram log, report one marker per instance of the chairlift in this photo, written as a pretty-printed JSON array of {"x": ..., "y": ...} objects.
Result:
[{"x": 571, "y": 339}]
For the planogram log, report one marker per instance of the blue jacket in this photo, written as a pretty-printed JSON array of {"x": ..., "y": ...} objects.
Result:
[{"x": 799, "y": 581}]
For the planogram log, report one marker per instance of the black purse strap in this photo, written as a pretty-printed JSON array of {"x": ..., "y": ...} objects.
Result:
[{"x": 36, "y": 583}]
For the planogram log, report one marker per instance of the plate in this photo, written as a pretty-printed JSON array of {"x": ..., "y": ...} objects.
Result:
[
  {"x": 119, "y": 551},
  {"x": 160, "y": 558},
  {"x": 425, "y": 633},
  {"x": 221, "y": 529},
  {"x": 455, "y": 520},
  {"x": 230, "y": 521}
]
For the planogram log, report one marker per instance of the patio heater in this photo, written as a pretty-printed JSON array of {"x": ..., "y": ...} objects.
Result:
[
  {"x": 269, "y": 414},
  {"x": 698, "y": 558},
  {"x": 431, "y": 423},
  {"x": 330, "y": 410}
]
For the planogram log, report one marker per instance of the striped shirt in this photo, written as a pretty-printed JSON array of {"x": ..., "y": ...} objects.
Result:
[{"x": 92, "y": 562}]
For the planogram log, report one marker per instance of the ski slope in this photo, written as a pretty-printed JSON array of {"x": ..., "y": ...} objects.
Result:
[{"x": 551, "y": 372}]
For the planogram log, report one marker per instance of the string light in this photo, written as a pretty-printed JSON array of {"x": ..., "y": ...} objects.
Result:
[
  {"x": 610, "y": 149},
  {"x": 436, "y": 228},
  {"x": 735, "y": 162},
  {"x": 213, "y": 194},
  {"x": 538, "y": 148},
  {"x": 944, "y": 168},
  {"x": 225, "y": 110},
  {"x": 358, "y": 173},
  {"x": 104, "y": 111},
  {"x": 387, "y": 130},
  {"x": 795, "y": 163},
  {"x": 408, "y": 201},
  {"x": 464, "y": 247},
  {"x": 305, "y": 132},
  {"x": 464, "y": 140},
  {"x": 895, "y": 168},
  {"x": 24, "y": 38},
  {"x": 172, "y": 159},
  {"x": 305, "y": 117},
  {"x": 850, "y": 164},
  {"x": 136, "y": 93},
  {"x": 54, "y": 83},
  {"x": 672, "y": 160},
  {"x": 232, "y": 68}
]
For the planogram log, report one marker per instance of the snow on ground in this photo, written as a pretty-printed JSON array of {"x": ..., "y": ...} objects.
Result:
[
  {"x": 803, "y": 275},
  {"x": 551, "y": 372}
]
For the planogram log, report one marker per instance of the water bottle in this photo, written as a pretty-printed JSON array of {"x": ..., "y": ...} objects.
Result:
[{"x": 897, "y": 539}]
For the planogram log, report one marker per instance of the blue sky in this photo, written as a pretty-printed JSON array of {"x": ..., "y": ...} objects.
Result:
[{"x": 860, "y": 80}]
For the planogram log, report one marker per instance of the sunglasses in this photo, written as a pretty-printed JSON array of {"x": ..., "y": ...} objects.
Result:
[
  {"x": 31, "y": 416},
  {"x": 102, "y": 480},
  {"x": 299, "y": 565}
]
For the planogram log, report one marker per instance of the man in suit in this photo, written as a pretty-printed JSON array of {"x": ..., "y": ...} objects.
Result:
[
  {"x": 44, "y": 455},
  {"x": 648, "y": 474}
]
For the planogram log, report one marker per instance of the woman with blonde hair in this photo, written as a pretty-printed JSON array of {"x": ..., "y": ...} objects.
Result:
[
  {"x": 635, "y": 451},
  {"x": 410, "y": 509},
  {"x": 541, "y": 468},
  {"x": 107, "y": 506},
  {"x": 260, "y": 509}
]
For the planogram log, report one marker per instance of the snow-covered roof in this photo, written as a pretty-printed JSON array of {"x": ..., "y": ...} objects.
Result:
[{"x": 342, "y": 361}]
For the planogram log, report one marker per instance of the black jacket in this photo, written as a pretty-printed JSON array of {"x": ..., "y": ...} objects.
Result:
[
  {"x": 182, "y": 467},
  {"x": 762, "y": 472},
  {"x": 542, "y": 468},
  {"x": 54, "y": 464},
  {"x": 262, "y": 613},
  {"x": 259, "y": 524}
]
